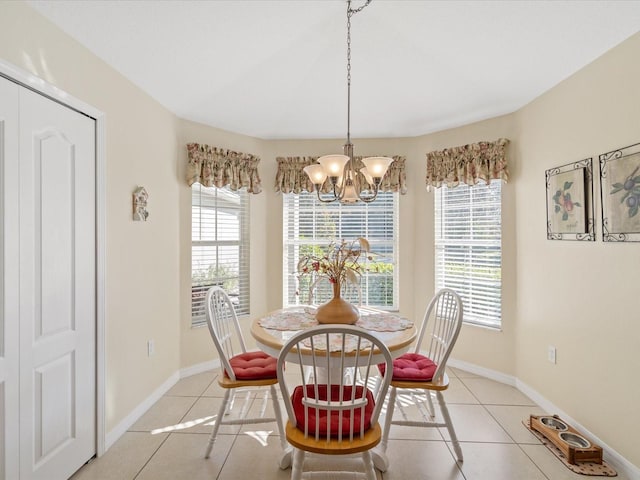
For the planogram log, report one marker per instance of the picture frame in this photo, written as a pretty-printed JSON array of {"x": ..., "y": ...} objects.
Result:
[
  {"x": 620, "y": 194},
  {"x": 570, "y": 201}
]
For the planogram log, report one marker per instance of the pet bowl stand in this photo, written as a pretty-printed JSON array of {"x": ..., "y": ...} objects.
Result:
[{"x": 574, "y": 446}]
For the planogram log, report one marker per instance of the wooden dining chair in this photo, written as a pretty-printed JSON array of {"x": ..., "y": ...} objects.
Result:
[
  {"x": 241, "y": 369},
  {"x": 332, "y": 416},
  {"x": 425, "y": 373}
]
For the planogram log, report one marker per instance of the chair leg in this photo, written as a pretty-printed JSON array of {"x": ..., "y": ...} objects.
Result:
[
  {"x": 308, "y": 374},
  {"x": 432, "y": 410},
  {"x": 245, "y": 405},
  {"x": 379, "y": 457},
  {"x": 350, "y": 375},
  {"x": 388, "y": 417},
  {"x": 231, "y": 402},
  {"x": 286, "y": 459},
  {"x": 216, "y": 425},
  {"x": 447, "y": 420},
  {"x": 368, "y": 465},
  {"x": 298, "y": 464}
]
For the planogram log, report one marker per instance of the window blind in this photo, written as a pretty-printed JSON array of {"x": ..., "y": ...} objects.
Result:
[
  {"x": 309, "y": 224},
  {"x": 219, "y": 247},
  {"x": 468, "y": 248}
]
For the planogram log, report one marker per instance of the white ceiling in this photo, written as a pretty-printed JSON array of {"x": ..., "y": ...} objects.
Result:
[{"x": 277, "y": 68}]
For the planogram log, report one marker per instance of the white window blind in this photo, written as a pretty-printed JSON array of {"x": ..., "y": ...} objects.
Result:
[
  {"x": 219, "y": 247},
  {"x": 309, "y": 224},
  {"x": 468, "y": 248}
]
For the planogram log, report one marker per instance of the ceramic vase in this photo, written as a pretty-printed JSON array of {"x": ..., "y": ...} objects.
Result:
[{"x": 337, "y": 310}]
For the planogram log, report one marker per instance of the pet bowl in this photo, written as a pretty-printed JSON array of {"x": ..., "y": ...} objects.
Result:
[
  {"x": 574, "y": 440},
  {"x": 554, "y": 423}
]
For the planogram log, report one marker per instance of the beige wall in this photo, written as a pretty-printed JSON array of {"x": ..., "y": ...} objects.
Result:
[
  {"x": 580, "y": 296},
  {"x": 574, "y": 295},
  {"x": 142, "y": 271}
]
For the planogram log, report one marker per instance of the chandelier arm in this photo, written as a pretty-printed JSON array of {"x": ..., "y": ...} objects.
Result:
[
  {"x": 341, "y": 195},
  {"x": 317, "y": 188},
  {"x": 369, "y": 199}
]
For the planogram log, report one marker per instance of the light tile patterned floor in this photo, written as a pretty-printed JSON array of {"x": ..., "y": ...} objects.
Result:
[{"x": 168, "y": 442}]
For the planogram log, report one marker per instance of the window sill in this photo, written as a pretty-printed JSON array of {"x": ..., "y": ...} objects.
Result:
[{"x": 484, "y": 327}]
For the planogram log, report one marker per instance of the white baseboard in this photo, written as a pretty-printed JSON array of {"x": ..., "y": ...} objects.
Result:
[
  {"x": 140, "y": 410},
  {"x": 617, "y": 461},
  {"x": 483, "y": 372},
  {"x": 115, "y": 433},
  {"x": 200, "y": 368}
]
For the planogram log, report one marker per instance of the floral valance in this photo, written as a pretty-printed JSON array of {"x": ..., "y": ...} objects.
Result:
[
  {"x": 468, "y": 164},
  {"x": 292, "y": 178},
  {"x": 216, "y": 167}
]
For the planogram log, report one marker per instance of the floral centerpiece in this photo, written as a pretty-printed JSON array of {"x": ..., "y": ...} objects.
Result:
[{"x": 339, "y": 263}]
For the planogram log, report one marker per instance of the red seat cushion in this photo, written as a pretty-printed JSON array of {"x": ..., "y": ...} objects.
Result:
[
  {"x": 253, "y": 366},
  {"x": 321, "y": 417},
  {"x": 412, "y": 367}
]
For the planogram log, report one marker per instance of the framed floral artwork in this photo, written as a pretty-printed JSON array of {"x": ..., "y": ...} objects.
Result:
[
  {"x": 570, "y": 201},
  {"x": 620, "y": 194}
]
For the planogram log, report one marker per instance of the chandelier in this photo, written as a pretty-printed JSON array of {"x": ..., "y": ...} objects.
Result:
[{"x": 340, "y": 169}]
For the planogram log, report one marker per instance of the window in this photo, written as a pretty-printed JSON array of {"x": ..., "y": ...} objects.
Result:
[
  {"x": 219, "y": 247},
  {"x": 309, "y": 224},
  {"x": 468, "y": 248}
]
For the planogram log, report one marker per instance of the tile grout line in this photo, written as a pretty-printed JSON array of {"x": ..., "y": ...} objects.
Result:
[
  {"x": 505, "y": 430},
  {"x": 150, "y": 457},
  {"x": 171, "y": 433},
  {"x": 234, "y": 442}
]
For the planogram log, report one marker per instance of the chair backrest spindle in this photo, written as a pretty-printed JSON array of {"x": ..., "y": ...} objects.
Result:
[
  {"x": 224, "y": 327},
  {"x": 441, "y": 324},
  {"x": 335, "y": 407}
]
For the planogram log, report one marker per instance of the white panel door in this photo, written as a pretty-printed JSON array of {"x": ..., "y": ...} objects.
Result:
[
  {"x": 9, "y": 269},
  {"x": 57, "y": 288}
]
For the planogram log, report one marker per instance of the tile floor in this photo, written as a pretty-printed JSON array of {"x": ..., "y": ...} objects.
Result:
[{"x": 168, "y": 442}]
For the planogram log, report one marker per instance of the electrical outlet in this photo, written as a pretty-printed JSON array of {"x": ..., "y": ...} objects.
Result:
[
  {"x": 551, "y": 353},
  {"x": 151, "y": 347}
]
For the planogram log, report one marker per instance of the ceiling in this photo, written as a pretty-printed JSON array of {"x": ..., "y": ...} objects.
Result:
[{"x": 277, "y": 68}]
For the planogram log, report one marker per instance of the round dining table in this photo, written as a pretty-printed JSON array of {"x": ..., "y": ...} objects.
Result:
[{"x": 272, "y": 330}]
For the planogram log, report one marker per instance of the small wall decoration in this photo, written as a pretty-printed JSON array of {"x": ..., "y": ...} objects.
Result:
[
  {"x": 620, "y": 194},
  {"x": 570, "y": 201},
  {"x": 140, "y": 197}
]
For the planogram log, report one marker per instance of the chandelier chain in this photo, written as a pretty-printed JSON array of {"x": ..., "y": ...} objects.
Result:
[
  {"x": 350, "y": 13},
  {"x": 347, "y": 187}
]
